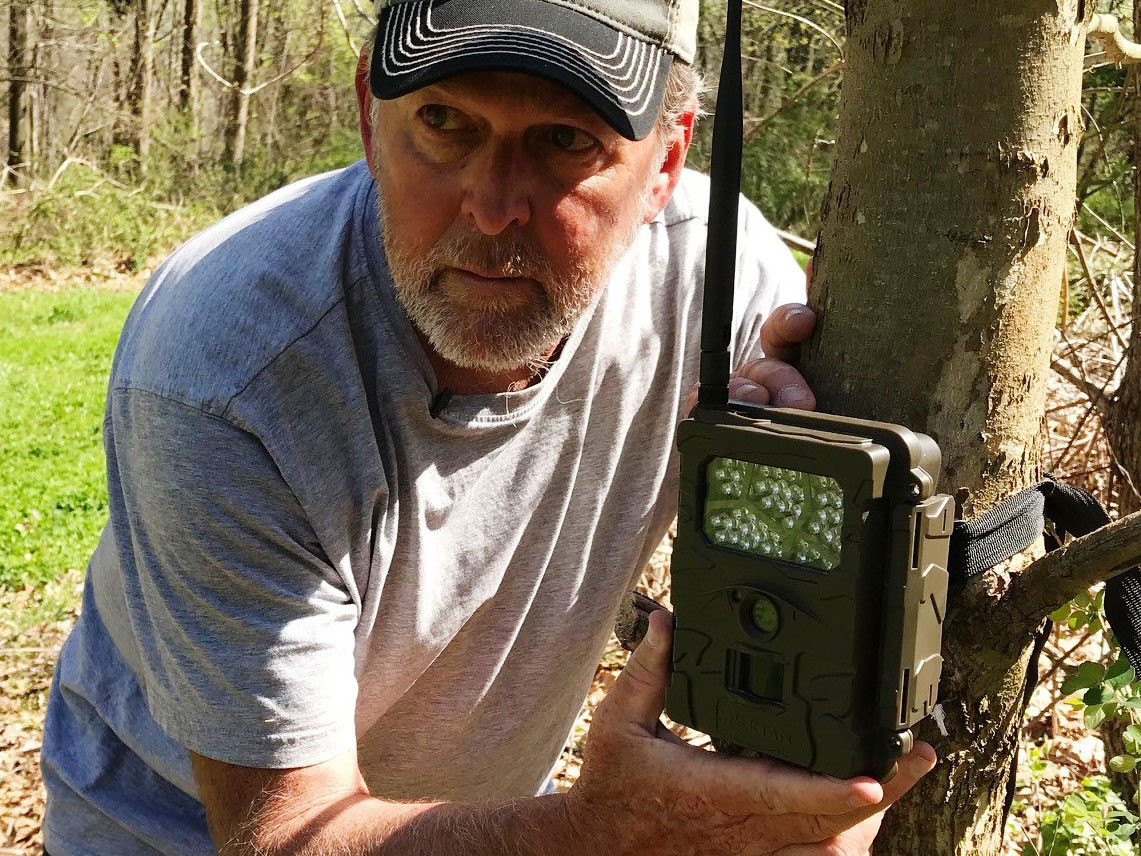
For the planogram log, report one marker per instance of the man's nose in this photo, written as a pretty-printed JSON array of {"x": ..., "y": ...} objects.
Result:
[{"x": 498, "y": 191}]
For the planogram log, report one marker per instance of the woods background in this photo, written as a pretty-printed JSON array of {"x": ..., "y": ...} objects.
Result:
[{"x": 129, "y": 125}]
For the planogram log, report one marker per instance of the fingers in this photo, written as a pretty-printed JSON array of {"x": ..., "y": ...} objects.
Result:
[
  {"x": 691, "y": 399},
  {"x": 771, "y": 381},
  {"x": 639, "y": 694},
  {"x": 784, "y": 331},
  {"x": 856, "y": 841},
  {"x": 912, "y": 767},
  {"x": 760, "y": 787},
  {"x": 743, "y": 389}
]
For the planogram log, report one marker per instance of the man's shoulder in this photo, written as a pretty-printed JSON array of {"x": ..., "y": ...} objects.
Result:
[{"x": 224, "y": 305}]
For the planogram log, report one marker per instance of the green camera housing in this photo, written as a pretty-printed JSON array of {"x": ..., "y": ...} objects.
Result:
[{"x": 809, "y": 585}]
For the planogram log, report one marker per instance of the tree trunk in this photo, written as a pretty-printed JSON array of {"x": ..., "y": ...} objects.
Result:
[
  {"x": 17, "y": 63},
  {"x": 142, "y": 73},
  {"x": 188, "y": 76},
  {"x": 936, "y": 281},
  {"x": 1121, "y": 418},
  {"x": 239, "y": 109},
  {"x": 1121, "y": 424}
]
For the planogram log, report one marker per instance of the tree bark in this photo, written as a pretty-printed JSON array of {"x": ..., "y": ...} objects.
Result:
[
  {"x": 1121, "y": 424},
  {"x": 188, "y": 76},
  {"x": 1122, "y": 417},
  {"x": 936, "y": 282},
  {"x": 239, "y": 108},
  {"x": 142, "y": 73},
  {"x": 17, "y": 63}
]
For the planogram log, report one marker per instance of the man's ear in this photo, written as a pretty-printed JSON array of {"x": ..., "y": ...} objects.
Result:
[
  {"x": 364, "y": 105},
  {"x": 672, "y": 164}
]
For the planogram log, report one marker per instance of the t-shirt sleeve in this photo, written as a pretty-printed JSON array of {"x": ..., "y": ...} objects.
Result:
[
  {"x": 768, "y": 276},
  {"x": 245, "y": 629}
]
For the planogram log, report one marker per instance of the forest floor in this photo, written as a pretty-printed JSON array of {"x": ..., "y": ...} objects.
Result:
[{"x": 1058, "y": 751}]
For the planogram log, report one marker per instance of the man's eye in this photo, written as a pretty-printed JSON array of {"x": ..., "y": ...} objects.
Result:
[
  {"x": 440, "y": 118},
  {"x": 568, "y": 139}
]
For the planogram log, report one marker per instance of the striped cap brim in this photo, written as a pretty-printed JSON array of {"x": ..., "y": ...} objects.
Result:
[{"x": 622, "y": 77}]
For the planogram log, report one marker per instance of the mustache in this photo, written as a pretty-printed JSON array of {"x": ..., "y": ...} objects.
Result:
[{"x": 503, "y": 256}]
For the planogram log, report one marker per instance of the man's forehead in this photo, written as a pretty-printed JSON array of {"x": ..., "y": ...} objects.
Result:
[{"x": 520, "y": 88}]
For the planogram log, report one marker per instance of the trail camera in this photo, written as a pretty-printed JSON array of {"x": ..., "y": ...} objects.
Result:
[{"x": 809, "y": 573}]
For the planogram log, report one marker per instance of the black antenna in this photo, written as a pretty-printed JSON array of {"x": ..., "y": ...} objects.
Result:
[{"x": 724, "y": 192}]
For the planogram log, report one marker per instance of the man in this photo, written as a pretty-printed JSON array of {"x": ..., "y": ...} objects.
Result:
[{"x": 386, "y": 449}]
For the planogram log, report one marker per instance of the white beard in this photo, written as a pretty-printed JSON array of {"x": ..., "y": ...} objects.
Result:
[{"x": 498, "y": 336}]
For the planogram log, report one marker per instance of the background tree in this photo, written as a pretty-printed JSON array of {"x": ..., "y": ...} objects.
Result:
[
  {"x": 239, "y": 109},
  {"x": 17, "y": 81},
  {"x": 188, "y": 69}
]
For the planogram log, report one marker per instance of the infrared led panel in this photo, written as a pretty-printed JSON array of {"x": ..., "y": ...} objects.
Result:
[{"x": 774, "y": 512}]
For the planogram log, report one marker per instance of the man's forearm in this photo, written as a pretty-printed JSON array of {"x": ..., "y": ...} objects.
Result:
[{"x": 361, "y": 825}]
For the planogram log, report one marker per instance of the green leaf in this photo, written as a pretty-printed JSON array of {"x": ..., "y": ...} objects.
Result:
[
  {"x": 1122, "y": 763},
  {"x": 1120, "y": 674},
  {"x": 1084, "y": 676},
  {"x": 1060, "y": 614},
  {"x": 1097, "y": 695},
  {"x": 1131, "y": 737},
  {"x": 1095, "y": 716}
]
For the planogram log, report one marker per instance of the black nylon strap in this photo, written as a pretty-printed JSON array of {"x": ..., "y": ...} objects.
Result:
[
  {"x": 1012, "y": 526},
  {"x": 1008, "y": 528}
]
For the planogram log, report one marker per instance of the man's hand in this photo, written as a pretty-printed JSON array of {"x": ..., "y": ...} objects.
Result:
[
  {"x": 773, "y": 380},
  {"x": 643, "y": 790}
]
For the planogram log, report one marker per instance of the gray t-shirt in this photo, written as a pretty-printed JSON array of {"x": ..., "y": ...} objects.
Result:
[{"x": 301, "y": 556}]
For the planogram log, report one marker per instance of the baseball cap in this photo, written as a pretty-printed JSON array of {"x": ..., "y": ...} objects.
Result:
[{"x": 614, "y": 54}]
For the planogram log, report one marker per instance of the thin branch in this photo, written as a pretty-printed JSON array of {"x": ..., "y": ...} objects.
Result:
[
  {"x": 830, "y": 5},
  {"x": 1059, "y": 576},
  {"x": 757, "y": 124},
  {"x": 254, "y": 89},
  {"x": 1108, "y": 225},
  {"x": 1118, "y": 49},
  {"x": 1076, "y": 245},
  {"x": 364, "y": 13},
  {"x": 800, "y": 18},
  {"x": 1092, "y": 391},
  {"x": 345, "y": 27},
  {"x": 796, "y": 242}
]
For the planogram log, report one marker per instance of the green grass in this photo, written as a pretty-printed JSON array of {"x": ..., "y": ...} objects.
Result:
[{"x": 55, "y": 355}]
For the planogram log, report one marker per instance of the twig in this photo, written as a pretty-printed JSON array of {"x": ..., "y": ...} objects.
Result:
[
  {"x": 345, "y": 27},
  {"x": 796, "y": 242},
  {"x": 68, "y": 161},
  {"x": 364, "y": 13},
  {"x": 1118, "y": 49},
  {"x": 1076, "y": 245},
  {"x": 1059, "y": 576},
  {"x": 830, "y": 5},
  {"x": 255, "y": 89},
  {"x": 1055, "y": 664},
  {"x": 757, "y": 124},
  {"x": 1107, "y": 225},
  {"x": 806, "y": 21},
  {"x": 1094, "y": 393}
]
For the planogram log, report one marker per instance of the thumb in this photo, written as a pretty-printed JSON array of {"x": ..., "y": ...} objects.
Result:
[{"x": 639, "y": 694}]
